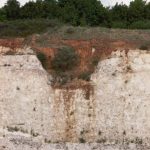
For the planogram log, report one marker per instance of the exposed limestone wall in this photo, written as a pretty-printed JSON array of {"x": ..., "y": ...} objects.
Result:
[
  {"x": 23, "y": 94},
  {"x": 115, "y": 108},
  {"x": 4, "y": 50},
  {"x": 122, "y": 92}
]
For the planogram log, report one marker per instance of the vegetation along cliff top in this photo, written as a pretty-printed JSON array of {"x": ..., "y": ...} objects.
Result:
[{"x": 37, "y": 16}]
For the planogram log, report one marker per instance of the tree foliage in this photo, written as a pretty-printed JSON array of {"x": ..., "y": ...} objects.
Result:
[
  {"x": 82, "y": 12},
  {"x": 2, "y": 14},
  {"x": 12, "y": 9},
  {"x": 137, "y": 10},
  {"x": 119, "y": 12},
  {"x": 65, "y": 59},
  {"x": 79, "y": 12}
]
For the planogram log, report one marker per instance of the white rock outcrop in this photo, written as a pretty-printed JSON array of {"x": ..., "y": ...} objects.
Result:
[{"x": 11, "y": 51}]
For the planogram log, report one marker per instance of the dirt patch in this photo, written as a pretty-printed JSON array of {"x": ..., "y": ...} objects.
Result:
[
  {"x": 12, "y": 43},
  {"x": 90, "y": 50}
]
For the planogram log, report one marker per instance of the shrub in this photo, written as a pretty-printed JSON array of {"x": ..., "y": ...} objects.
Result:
[
  {"x": 95, "y": 61},
  {"x": 23, "y": 28},
  {"x": 143, "y": 47},
  {"x": 85, "y": 76},
  {"x": 119, "y": 24},
  {"x": 143, "y": 24},
  {"x": 42, "y": 57},
  {"x": 65, "y": 59},
  {"x": 70, "y": 30},
  {"x": 63, "y": 78}
]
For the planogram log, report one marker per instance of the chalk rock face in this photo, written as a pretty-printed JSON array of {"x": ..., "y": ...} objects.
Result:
[
  {"x": 12, "y": 51},
  {"x": 122, "y": 95},
  {"x": 113, "y": 109},
  {"x": 24, "y": 94}
]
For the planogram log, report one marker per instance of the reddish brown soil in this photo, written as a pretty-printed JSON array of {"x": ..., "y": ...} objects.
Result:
[
  {"x": 88, "y": 51},
  {"x": 84, "y": 48},
  {"x": 12, "y": 43}
]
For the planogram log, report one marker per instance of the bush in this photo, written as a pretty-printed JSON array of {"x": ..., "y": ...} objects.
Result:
[
  {"x": 62, "y": 78},
  {"x": 143, "y": 24},
  {"x": 95, "y": 61},
  {"x": 26, "y": 27},
  {"x": 65, "y": 59},
  {"x": 119, "y": 24},
  {"x": 70, "y": 30},
  {"x": 85, "y": 76},
  {"x": 143, "y": 47},
  {"x": 42, "y": 57}
]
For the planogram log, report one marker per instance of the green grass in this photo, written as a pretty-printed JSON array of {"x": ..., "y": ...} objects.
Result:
[
  {"x": 65, "y": 59},
  {"x": 143, "y": 24},
  {"x": 143, "y": 47},
  {"x": 23, "y": 28},
  {"x": 42, "y": 58}
]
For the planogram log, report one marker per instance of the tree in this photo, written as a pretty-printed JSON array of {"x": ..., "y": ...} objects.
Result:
[
  {"x": 2, "y": 14},
  {"x": 65, "y": 59},
  {"x": 12, "y": 9},
  {"x": 32, "y": 10},
  {"x": 147, "y": 11},
  {"x": 50, "y": 9},
  {"x": 28, "y": 10},
  {"x": 119, "y": 12},
  {"x": 39, "y": 9},
  {"x": 82, "y": 12},
  {"x": 137, "y": 10}
]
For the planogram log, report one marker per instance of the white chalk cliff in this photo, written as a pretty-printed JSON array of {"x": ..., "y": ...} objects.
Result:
[{"x": 113, "y": 109}]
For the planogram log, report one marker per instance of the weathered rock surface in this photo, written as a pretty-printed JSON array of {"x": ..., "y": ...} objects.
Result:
[
  {"x": 113, "y": 111},
  {"x": 19, "y": 51}
]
